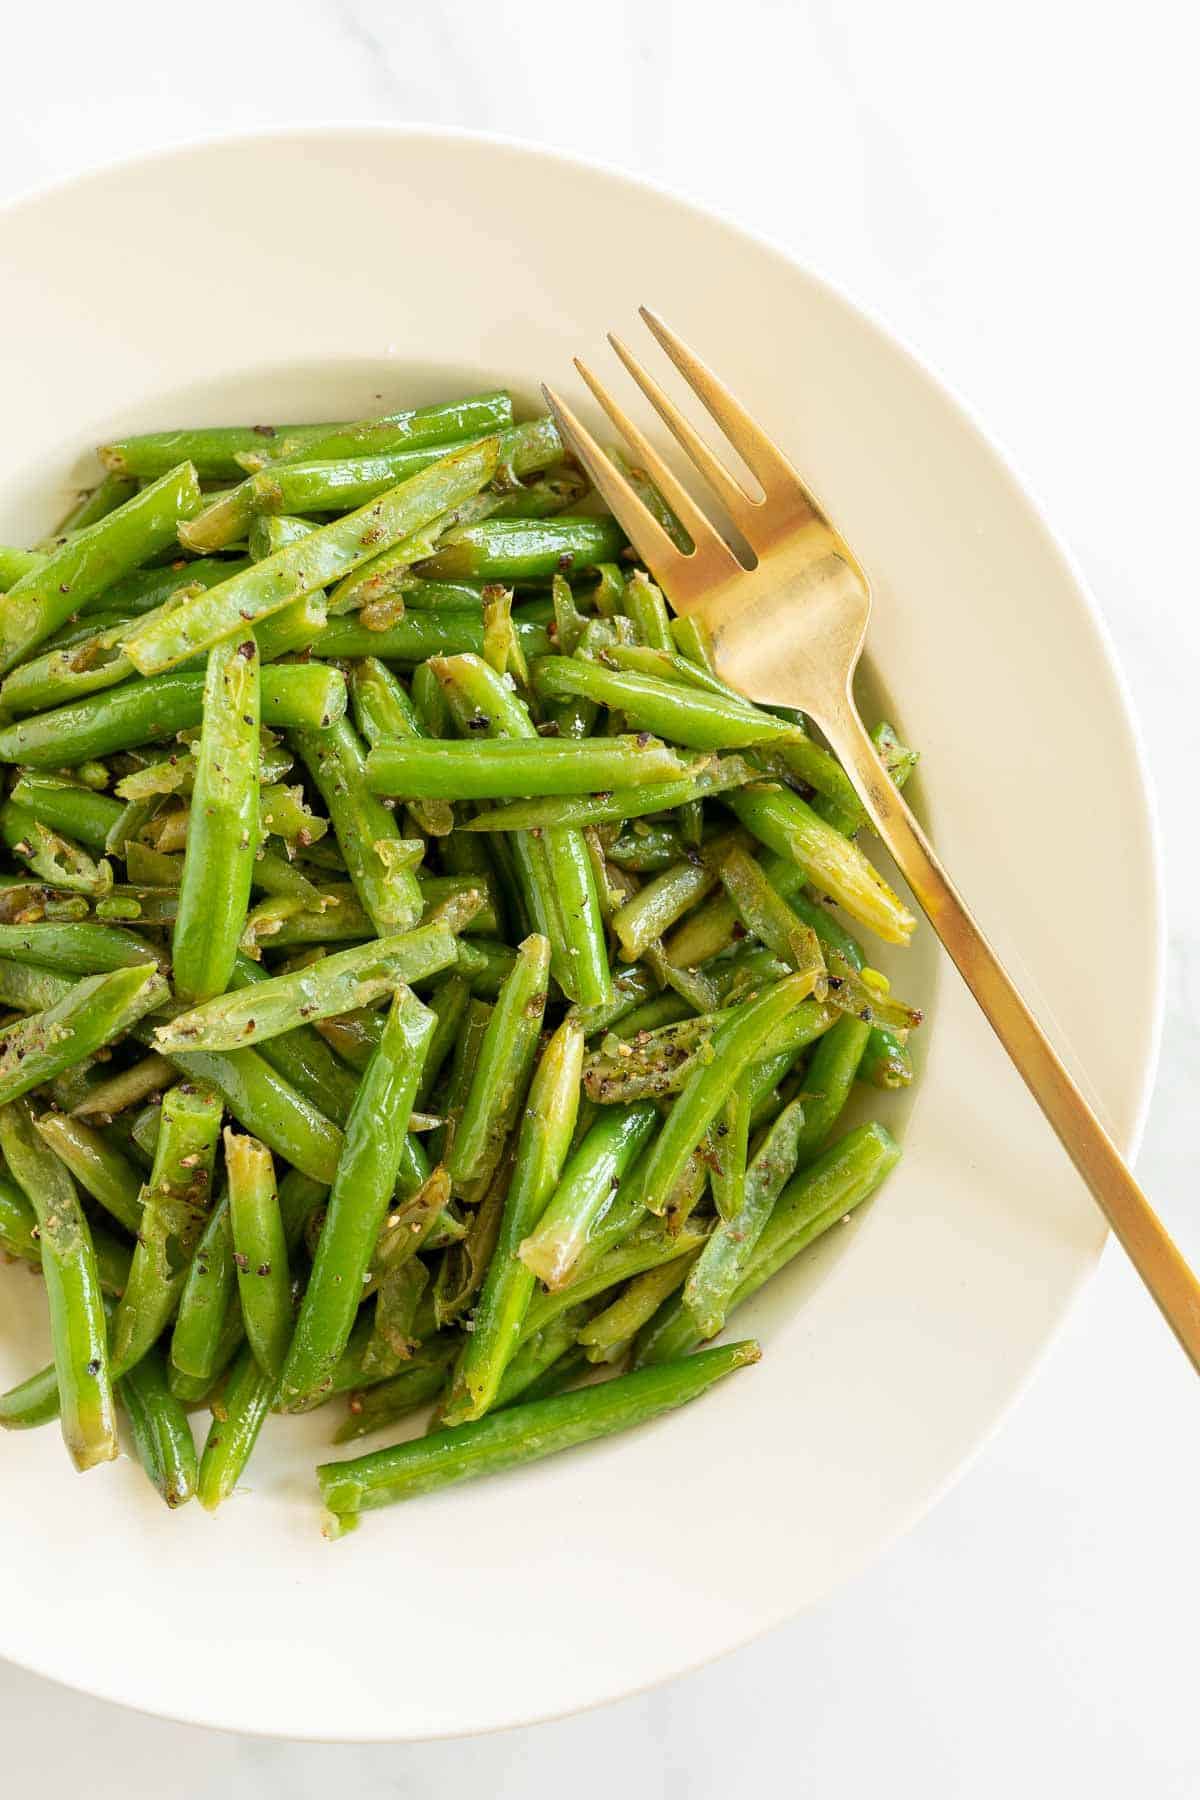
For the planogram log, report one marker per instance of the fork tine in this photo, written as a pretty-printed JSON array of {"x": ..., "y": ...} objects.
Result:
[
  {"x": 711, "y": 548},
  {"x": 733, "y": 497},
  {"x": 634, "y": 516},
  {"x": 774, "y": 472}
]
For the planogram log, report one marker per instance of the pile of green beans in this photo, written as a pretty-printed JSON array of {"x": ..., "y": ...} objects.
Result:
[{"x": 424, "y": 984}]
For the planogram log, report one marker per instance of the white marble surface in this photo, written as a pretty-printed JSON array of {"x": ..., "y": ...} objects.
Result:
[{"x": 1013, "y": 189}]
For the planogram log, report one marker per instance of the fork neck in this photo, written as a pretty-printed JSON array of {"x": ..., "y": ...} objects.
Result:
[{"x": 792, "y": 635}]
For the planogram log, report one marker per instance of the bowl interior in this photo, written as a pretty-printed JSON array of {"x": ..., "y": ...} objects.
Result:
[{"x": 894, "y": 1347}]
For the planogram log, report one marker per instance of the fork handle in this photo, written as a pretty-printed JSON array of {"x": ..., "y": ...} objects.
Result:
[{"x": 1141, "y": 1232}]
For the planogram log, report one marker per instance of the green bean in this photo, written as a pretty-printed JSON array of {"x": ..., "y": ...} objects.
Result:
[
  {"x": 587, "y": 1187},
  {"x": 418, "y": 636},
  {"x": 802, "y": 757},
  {"x": 613, "y": 886},
  {"x": 367, "y": 833},
  {"x": 31, "y": 1402},
  {"x": 74, "y": 948},
  {"x": 846, "y": 812},
  {"x": 144, "y": 1130},
  {"x": 652, "y": 500},
  {"x": 543, "y": 1364},
  {"x": 429, "y": 425},
  {"x": 663, "y": 1062},
  {"x": 18, "y": 1224},
  {"x": 726, "y": 1256},
  {"x": 579, "y": 954},
  {"x": 284, "y": 921},
  {"x": 429, "y": 768},
  {"x": 162, "y": 1435},
  {"x": 74, "y": 1084},
  {"x": 336, "y": 984},
  {"x": 818, "y": 1198},
  {"x": 144, "y": 590},
  {"x": 97, "y": 1010},
  {"x": 208, "y": 1324},
  {"x": 643, "y": 603},
  {"x": 886, "y": 1063},
  {"x": 706, "y": 777},
  {"x": 408, "y": 1228},
  {"x": 302, "y": 1057},
  {"x": 79, "y": 662},
  {"x": 259, "y": 1250},
  {"x": 394, "y": 1332},
  {"x": 141, "y": 712},
  {"x": 542, "y": 1146},
  {"x": 65, "y": 806},
  {"x": 467, "y": 903},
  {"x": 129, "y": 1087},
  {"x": 378, "y": 590},
  {"x": 334, "y": 484},
  {"x": 175, "y": 1206},
  {"x": 789, "y": 827},
  {"x": 238, "y": 1417},
  {"x": 666, "y": 663},
  {"x": 608, "y": 1336},
  {"x": 442, "y": 596},
  {"x": 25, "y": 900},
  {"x": 828, "y": 1081},
  {"x": 56, "y": 859},
  {"x": 647, "y": 847},
  {"x": 99, "y": 1169},
  {"x": 65, "y": 674},
  {"x": 690, "y": 716},
  {"x": 768, "y": 917},
  {"x": 41, "y": 601},
  {"x": 276, "y": 875},
  {"x": 382, "y": 710},
  {"x": 464, "y": 1061},
  {"x": 215, "y": 449},
  {"x": 19, "y": 1237},
  {"x": 744, "y": 1040},
  {"x": 728, "y": 1142},
  {"x": 554, "y": 1378},
  {"x": 310, "y": 563},
  {"x": 557, "y": 885},
  {"x": 538, "y": 777},
  {"x": 448, "y": 1002},
  {"x": 72, "y": 1278},
  {"x": 660, "y": 904},
  {"x": 208, "y": 1287},
  {"x": 15, "y": 564},
  {"x": 656, "y": 1061},
  {"x": 81, "y": 626},
  {"x": 419, "y": 1380},
  {"x": 632, "y": 989},
  {"x": 538, "y": 1354},
  {"x": 358, "y": 1199},
  {"x": 223, "y": 825},
  {"x": 459, "y": 1274},
  {"x": 714, "y": 927},
  {"x": 522, "y": 1433},
  {"x": 502, "y": 1069},
  {"x": 268, "y": 1106},
  {"x": 524, "y": 549},
  {"x": 268, "y": 533},
  {"x": 93, "y": 504}
]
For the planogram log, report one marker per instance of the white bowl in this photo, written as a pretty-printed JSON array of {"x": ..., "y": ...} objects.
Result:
[{"x": 324, "y": 273}]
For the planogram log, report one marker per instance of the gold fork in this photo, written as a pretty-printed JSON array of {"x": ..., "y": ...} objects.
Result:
[{"x": 789, "y": 632}]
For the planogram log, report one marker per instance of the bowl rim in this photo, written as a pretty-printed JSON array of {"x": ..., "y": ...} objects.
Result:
[{"x": 31, "y": 196}]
